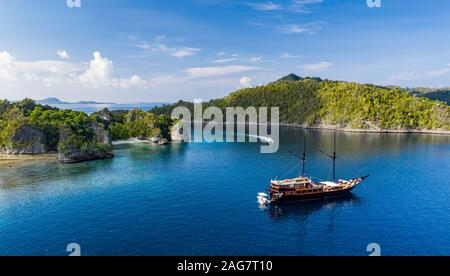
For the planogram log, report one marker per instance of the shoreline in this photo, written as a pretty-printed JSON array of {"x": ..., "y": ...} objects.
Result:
[
  {"x": 128, "y": 142},
  {"x": 346, "y": 129},
  {"x": 17, "y": 161},
  {"x": 374, "y": 131}
]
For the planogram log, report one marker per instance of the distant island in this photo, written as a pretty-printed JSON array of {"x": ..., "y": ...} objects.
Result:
[
  {"x": 325, "y": 104},
  {"x": 56, "y": 101}
]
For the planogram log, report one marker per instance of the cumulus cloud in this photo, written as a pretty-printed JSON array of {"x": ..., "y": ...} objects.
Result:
[
  {"x": 7, "y": 67},
  {"x": 48, "y": 72},
  {"x": 245, "y": 82},
  {"x": 63, "y": 54},
  {"x": 317, "y": 67},
  {"x": 202, "y": 72},
  {"x": 99, "y": 71},
  {"x": 100, "y": 74}
]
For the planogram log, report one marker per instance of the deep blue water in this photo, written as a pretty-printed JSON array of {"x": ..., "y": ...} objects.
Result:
[{"x": 200, "y": 199}]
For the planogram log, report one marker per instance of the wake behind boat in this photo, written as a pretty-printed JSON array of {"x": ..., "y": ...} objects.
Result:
[{"x": 303, "y": 188}]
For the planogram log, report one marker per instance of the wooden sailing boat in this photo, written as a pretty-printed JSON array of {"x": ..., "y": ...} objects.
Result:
[{"x": 303, "y": 188}]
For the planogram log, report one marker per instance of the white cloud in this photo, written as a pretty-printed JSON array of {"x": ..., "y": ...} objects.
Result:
[
  {"x": 289, "y": 56},
  {"x": 225, "y": 60},
  {"x": 144, "y": 46},
  {"x": 245, "y": 82},
  {"x": 317, "y": 67},
  {"x": 99, "y": 71},
  {"x": 185, "y": 52},
  {"x": 48, "y": 72},
  {"x": 310, "y": 28},
  {"x": 267, "y": 6},
  {"x": 63, "y": 54},
  {"x": 298, "y": 6},
  {"x": 100, "y": 74},
  {"x": 301, "y": 6},
  {"x": 7, "y": 67},
  {"x": 202, "y": 72},
  {"x": 157, "y": 46},
  {"x": 256, "y": 59}
]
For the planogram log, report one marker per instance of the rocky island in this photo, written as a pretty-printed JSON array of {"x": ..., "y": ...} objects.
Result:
[{"x": 28, "y": 128}]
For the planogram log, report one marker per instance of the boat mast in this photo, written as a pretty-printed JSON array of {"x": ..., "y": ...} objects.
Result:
[
  {"x": 333, "y": 157},
  {"x": 304, "y": 159}
]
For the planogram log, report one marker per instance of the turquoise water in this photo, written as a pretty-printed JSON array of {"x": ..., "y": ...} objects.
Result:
[{"x": 200, "y": 199}]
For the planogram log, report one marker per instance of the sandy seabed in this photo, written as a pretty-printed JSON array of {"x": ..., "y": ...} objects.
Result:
[{"x": 13, "y": 161}]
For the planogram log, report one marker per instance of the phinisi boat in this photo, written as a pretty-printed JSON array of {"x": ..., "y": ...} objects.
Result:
[{"x": 304, "y": 188}]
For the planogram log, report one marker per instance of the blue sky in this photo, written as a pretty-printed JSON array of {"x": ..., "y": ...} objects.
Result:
[{"x": 129, "y": 51}]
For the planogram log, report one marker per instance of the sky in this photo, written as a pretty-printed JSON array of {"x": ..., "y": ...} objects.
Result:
[{"x": 163, "y": 51}]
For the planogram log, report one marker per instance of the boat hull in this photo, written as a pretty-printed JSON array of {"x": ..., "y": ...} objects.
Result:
[{"x": 316, "y": 196}]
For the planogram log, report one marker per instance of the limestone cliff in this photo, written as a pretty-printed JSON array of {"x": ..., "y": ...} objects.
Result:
[{"x": 26, "y": 140}]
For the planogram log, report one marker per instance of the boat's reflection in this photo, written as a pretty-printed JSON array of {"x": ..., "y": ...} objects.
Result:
[{"x": 303, "y": 210}]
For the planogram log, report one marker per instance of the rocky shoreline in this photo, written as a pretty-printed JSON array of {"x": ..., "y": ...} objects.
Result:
[{"x": 347, "y": 129}]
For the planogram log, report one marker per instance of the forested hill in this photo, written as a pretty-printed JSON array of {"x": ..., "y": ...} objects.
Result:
[
  {"x": 312, "y": 102},
  {"x": 441, "y": 94}
]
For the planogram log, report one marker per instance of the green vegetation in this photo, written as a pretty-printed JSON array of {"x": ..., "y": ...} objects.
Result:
[
  {"x": 135, "y": 124},
  {"x": 30, "y": 128},
  {"x": 314, "y": 102}
]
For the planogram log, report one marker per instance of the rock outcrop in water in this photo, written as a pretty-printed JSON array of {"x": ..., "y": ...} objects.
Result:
[
  {"x": 76, "y": 155},
  {"x": 100, "y": 147}
]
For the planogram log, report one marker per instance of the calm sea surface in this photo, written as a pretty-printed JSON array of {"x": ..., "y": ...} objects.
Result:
[{"x": 200, "y": 199}]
